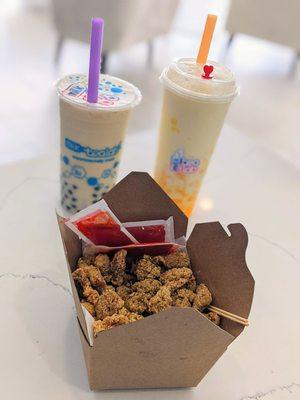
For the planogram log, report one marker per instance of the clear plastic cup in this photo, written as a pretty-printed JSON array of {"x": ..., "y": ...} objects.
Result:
[
  {"x": 91, "y": 137},
  {"x": 192, "y": 116}
]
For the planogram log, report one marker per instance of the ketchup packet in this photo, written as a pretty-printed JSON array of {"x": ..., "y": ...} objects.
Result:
[
  {"x": 157, "y": 231},
  {"x": 102, "y": 232},
  {"x": 97, "y": 225}
]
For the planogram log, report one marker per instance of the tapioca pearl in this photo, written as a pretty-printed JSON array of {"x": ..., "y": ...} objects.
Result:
[
  {"x": 74, "y": 187},
  {"x": 74, "y": 199},
  {"x": 73, "y": 206},
  {"x": 66, "y": 196},
  {"x": 65, "y": 183},
  {"x": 70, "y": 191},
  {"x": 95, "y": 195},
  {"x": 116, "y": 90},
  {"x": 68, "y": 208},
  {"x": 97, "y": 188},
  {"x": 92, "y": 181}
]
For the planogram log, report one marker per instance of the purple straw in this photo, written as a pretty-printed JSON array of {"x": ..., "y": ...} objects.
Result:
[{"x": 95, "y": 59}]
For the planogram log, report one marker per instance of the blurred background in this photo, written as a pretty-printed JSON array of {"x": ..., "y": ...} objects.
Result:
[{"x": 41, "y": 40}]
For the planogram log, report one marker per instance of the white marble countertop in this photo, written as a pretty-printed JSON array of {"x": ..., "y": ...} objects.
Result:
[{"x": 41, "y": 355}]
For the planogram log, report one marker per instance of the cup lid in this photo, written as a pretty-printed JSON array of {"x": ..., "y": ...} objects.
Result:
[
  {"x": 185, "y": 77},
  {"x": 114, "y": 94}
]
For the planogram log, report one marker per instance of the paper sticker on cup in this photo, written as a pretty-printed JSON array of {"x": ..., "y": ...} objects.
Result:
[{"x": 113, "y": 93}]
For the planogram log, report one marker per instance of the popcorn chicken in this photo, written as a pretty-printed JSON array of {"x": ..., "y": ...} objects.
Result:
[
  {"x": 109, "y": 322},
  {"x": 161, "y": 301},
  {"x": 183, "y": 298},
  {"x": 122, "y": 318},
  {"x": 132, "y": 317},
  {"x": 88, "y": 275},
  {"x": 86, "y": 260},
  {"x": 124, "y": 292},
  {"x": 118, "y": 266},
  {"x": 146, "y": 269},
  {"x": 102, "y": 262},
  {"x": 91, "y": 295},
  {"x": 148, "y": 286},
  {"x": 203, "y": 297},
  {"x": 191, "y": 284},
  {"x": 137, "y": 302},
  {"x": 109, "y": 303},
  {"x": 214, "y": 317},
  {"x": 176, "y": 278},
  {"x": 178, "y": 259}
]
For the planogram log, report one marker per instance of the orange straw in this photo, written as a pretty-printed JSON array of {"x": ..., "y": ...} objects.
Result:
[{"x": 206, "y": 38}]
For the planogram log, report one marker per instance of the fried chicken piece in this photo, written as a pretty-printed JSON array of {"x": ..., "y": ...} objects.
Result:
[
  {"x": 102, "y": 262},
  {"x": 191, "y": 284},
  {"x": 109, "y": 303},
  {"x": 88, "y": 275},
  {"x": 203, "y": 297},
  {"x": 128, "y": 279},
  {"x": 109, "y": 322},
  {"x": 137, "y": 302},
  {"x": 176, "y": 278},
  {"x": 146, "y": 269},
  {"x": 91, "y": 295},
  {"x": 183, "y": 298},
  {"x": 178, "y": 259},
  {"x": 159, "y": 260},
  {"x": 161, "y": 301},
  {"x": 132, "y": 317},
  {"x": 148, "y": 286},
  {"x": 124, "y": 291},
  {"x": 122, "y": 318},
  {"x": 213, "y": 317},
  {"x": 89, "y": 307},
  {"x": 86, "y": 260},
  {"x": 117, "y": 267}
]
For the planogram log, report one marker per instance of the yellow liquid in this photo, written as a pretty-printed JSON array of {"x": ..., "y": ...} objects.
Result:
[{"x": 189, "y": 130}]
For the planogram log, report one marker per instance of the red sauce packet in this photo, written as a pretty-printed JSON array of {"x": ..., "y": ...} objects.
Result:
[
  {"x": 98, "y": 225},
  {"x": 101, "y": 231}
]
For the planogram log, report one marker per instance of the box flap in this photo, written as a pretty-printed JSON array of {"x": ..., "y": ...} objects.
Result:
[
  {"x": 73, "y": 250},
  {"x": 174, "y": 348},
  {"x": 218, "y": 260},
  {"x": 138, "y": 198}
]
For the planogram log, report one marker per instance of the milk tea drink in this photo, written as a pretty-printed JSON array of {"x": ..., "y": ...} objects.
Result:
[
  {"x": 91, "y": 137},
  {"x": 193, "y": 112}
]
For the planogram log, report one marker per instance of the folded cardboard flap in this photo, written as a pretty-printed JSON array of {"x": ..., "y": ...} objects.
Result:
[
  {"x": 219, "y": 261},
  {"x": 139, "y": 198},
  {"x": 73, "y": 250},
  {"x": 174, "y": 348}
]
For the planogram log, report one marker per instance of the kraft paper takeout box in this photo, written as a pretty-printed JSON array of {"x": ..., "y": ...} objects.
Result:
[{"x": 177, "y": 347}]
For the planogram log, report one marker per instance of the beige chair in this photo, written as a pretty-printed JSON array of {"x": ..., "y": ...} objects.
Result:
[
  {"x": 274, "y": 20},
  {"x": 126, "y": 22}
]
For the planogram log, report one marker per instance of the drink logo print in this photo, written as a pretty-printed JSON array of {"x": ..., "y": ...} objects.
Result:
[
  {"x": 79, "y": 172},
  {"x": 179, "y": 163},
  {"x": 90, "y": 154},
  {"x": 75, "y": 87}
]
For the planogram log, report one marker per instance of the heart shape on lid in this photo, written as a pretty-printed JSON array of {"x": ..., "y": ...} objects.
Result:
[{"x": 207, "y": 69}]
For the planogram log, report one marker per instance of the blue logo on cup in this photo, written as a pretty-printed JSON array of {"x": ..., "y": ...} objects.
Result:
[{"x": 89, "y": 154}]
